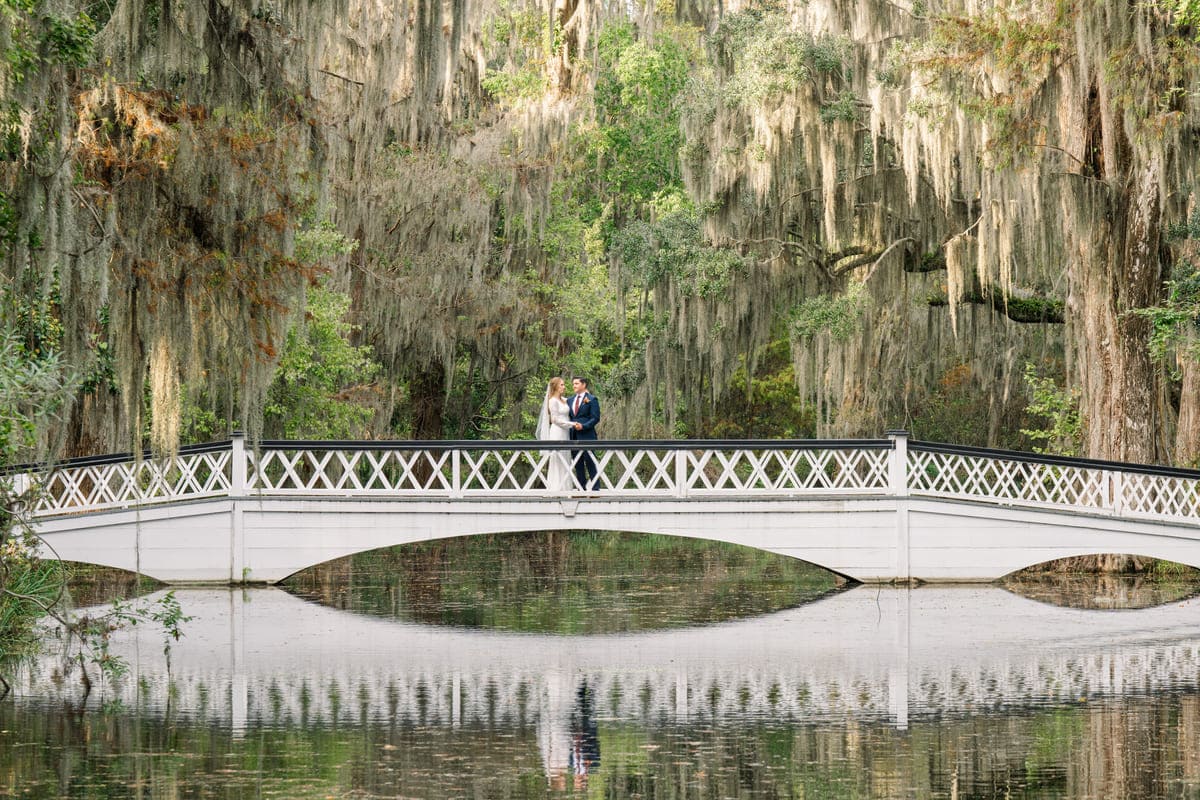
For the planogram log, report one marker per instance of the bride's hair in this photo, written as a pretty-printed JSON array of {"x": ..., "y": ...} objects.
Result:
[{"x": 553, "y": 389}]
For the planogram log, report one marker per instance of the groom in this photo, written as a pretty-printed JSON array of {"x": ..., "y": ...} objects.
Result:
[{"x": 584, "y": 412}]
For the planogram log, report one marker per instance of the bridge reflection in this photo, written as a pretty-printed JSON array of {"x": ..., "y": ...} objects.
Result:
[{"x": 263, "y": 657}]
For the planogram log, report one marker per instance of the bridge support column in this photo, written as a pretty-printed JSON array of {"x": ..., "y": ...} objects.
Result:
[
  {"x": 898, "y": 486},
  {"x": 237, "y": 528}
]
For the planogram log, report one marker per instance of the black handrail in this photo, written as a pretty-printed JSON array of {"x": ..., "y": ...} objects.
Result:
[
  {"x": 599, "y": 444},
  {"x": 1056, "y": 461},
  {"x": 118, "y": 458}
]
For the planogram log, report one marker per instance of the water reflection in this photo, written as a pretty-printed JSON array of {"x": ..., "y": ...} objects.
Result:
[
  {"x": 570, "y": 583},
  {"x": 1104, "y": 591},
  {"x": 872, "y": 692}
]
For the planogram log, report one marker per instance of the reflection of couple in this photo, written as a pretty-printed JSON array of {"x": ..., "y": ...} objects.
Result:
[
  {"x": 569, "y": 739},
  {"x": 563, "y": 420}
]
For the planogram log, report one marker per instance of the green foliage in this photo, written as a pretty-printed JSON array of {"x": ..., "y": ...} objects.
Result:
[
  {"x": 768, "y": 59},
  {"x": 671, "y": 246},
  {"x": 511, "y": 87},
  {"x": 1018, "y": 43},
  {"x": 1062, "y": 431},
  {"x": 842, "y": 109},
  {"x": 1175, "y": 325},
  {"x": 29, "y": 585},
  {"x": 835, "y": 314},
  {"x": 632, "y": 150},
  {"x": 20, "y": 56},
  {"x": 319, "y": 242},
  {"x": 8, "y": 223},
  {"x": 958, "y": 410},
  {"x": 32, "y": 391},
  {"x": 1184, "y": 13},
  {"x": 1188, "y": 228},
  {"x": 324, "y": 384},
  {"x": 68, "y": 40},
  {"x": 101, "y": 375},
  {"x": 766, "y": 405},
  {"x": 33, "y": 388},
  {"x": 527, "y": 40},
  {"x": 38, "y": 37}
]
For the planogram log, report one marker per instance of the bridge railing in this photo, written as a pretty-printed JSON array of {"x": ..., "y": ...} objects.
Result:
[
  {"x": 680, "y": 469},
  {"x": 1011, "y": 478},
  {"x": 487, "y": 469},
  {"x": 121, "y": 481}
]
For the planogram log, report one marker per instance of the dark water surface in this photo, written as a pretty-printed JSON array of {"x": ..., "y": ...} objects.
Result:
[{"x": 626, "y": 667}]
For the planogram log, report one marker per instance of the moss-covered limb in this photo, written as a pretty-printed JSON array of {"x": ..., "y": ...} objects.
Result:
[{"x": 1018, "y": 308}]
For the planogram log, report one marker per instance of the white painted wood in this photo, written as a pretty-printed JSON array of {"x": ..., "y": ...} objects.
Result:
[
  {"x": 856, "y": 537},
  {"x": 872, "y": 513}
]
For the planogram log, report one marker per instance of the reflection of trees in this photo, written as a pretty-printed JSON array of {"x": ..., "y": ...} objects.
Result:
[
  {"x": 565, "y": 582},
  {"x": 1141, "y": 747},
  {"x": 92, "y": 585},
  {"x": 1103, "y": 591}
]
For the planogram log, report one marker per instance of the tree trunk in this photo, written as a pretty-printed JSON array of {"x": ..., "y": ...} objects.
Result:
[
  {"x": 427, "y": 391},
  {"x": 1117, "y": 270},
  {"x": 1187, "y": 431}
]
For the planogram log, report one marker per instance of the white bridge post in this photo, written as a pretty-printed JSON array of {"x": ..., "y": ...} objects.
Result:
[
  {"x": 681, "y": 476},
  {"x": 898, "y": 488},
  {"x": 238, "y": 573}
]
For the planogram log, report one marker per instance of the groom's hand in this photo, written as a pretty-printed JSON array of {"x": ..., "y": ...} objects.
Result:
[{"x": 578, "y": 426}]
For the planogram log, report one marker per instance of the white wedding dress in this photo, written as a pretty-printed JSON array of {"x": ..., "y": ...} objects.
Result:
[{"x": 556, "y": 427}]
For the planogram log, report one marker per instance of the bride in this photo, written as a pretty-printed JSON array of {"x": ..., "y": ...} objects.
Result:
[{"x": 554, "y": 424}]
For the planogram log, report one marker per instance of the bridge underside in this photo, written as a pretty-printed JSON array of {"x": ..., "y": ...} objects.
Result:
[{"x": 865, "y": 539}]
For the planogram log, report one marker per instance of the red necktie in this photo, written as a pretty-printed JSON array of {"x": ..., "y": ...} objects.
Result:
[{"x": 576, "y": 411}]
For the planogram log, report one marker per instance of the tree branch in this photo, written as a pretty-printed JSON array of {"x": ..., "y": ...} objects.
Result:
[{"x": 341, "y": 77}]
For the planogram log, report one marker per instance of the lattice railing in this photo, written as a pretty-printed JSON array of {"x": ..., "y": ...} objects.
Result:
[
  {"x": 1006, "y": 481},
  {"x": 107, "y": 484},
  {"x": 893, "y": 467},
  {"x": 493, "y": 470}
]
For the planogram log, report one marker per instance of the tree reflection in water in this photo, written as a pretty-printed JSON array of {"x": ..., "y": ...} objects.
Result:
[
  {"x": 1135, "y": 750},
  {"x": 795, "y": 705},
  {"x": 565, "y": 582},
  {"x": 1104, "y": 591}
]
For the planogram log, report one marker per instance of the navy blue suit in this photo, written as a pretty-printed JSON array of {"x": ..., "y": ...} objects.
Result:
[{"x": 587, "y": 415}]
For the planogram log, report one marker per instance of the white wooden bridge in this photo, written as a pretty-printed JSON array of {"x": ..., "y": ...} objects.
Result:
[{"x": 871, "y": 510}]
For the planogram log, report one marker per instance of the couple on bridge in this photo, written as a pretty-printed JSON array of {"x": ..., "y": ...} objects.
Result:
[{"x": 573, "y": 419}]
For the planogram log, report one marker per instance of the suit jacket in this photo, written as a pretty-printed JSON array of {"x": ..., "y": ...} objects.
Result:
[{"x": 588, "y": 416}]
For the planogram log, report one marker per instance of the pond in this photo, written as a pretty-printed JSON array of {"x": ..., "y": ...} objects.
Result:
[{"x": 603, "y": 665}]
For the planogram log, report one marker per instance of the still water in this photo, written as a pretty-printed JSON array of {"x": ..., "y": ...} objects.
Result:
[{"x": 626, "y": 667}]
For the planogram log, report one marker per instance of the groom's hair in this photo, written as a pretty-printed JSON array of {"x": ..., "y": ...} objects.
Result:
[{"x": 582, "y": 380}]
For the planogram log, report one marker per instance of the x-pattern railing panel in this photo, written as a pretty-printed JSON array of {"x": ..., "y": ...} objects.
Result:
[
  {"x": 348, "y": 472},
  {"x": 99, "y": 487},
  {"x": 788, "y": 471},
  {"x": 1006, "y": 481},
  {"x": 1160, "y": 496}
]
